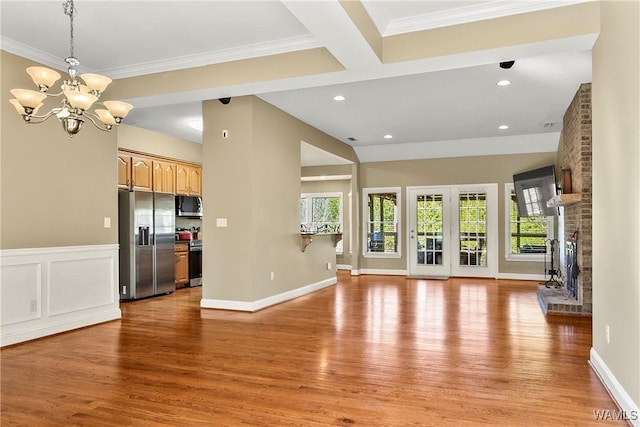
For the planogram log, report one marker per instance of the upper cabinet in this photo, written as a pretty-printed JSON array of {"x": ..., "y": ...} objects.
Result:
[
  {"x": 134, "y": 172},
  {"x": 188, "y": 180},
  {"x": 124, "y": 171},
  {"x": 161, "y": 175},
  {"x": 164, "y": 177}
]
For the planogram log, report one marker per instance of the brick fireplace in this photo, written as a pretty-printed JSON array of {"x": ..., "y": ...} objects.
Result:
[{"x": 574, "y": 223}]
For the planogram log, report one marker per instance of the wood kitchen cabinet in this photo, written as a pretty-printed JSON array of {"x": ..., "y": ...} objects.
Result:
[
  {"x": 141, "y": 171},
  {"x": 188, "y": 180},
  {"x": 164, "y": 177},
  {"x": 134, "y": 172},
  {"x": 182, "y": 264},
  {"x": 124, "y": 170}
]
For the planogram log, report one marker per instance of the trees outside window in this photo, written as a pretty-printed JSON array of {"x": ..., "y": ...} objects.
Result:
[
  {"x": 381, "y": 210},
  {"x": 526, "y": 236},
  {"x": 321, "y": 213}
]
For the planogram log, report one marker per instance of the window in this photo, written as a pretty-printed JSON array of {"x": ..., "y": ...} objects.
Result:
[
  {"x": 526, "y": 236},
  {"x": 381, "y": 210},
  {"x": 321, "y": 213}
]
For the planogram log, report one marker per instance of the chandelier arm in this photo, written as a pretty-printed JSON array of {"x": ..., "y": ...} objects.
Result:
[
  {"x": 94, "y": 119},
  {"x": 31, "y": 119},
  {"x": 53, "y": 95}
]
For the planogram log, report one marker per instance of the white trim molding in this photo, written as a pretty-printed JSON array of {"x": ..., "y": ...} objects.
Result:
[
  {"x": 629, "y": 410},
  {"x": 252, "y": 306},
  {"x": 521, "y": 276},
  {"x": 45, "y": 291},
  {"x": 383, "y": 272}
]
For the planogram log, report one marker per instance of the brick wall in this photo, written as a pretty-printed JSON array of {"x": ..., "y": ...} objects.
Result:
[{"x": 576, "y": 156}]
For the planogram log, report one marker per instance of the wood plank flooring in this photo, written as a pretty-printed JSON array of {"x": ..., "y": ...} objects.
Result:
[{"x": 370, "y": 351}]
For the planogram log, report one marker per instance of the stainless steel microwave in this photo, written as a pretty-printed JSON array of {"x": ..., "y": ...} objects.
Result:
[{"x": 188, "y": 206}]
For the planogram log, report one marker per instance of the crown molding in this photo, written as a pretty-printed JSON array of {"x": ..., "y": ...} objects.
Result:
[
  {"x": 456, "y": 16},
  {"x": 179, "y": 63},
  {"x": 39, "y": 56},
  {"x": 217, "y": 57}
]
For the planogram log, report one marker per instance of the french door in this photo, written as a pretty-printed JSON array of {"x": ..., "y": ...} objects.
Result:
[{"x": 453, "y": 231}]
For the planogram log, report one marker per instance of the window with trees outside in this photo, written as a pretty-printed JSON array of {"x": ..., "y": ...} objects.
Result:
[
  {"x": 381, "y": 211},
  {"x": 526, "y": 236},
  {"x": 321, "y": 213}
]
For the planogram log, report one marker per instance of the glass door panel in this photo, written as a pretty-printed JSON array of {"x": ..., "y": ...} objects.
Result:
[{"x": 429, "y": 232}]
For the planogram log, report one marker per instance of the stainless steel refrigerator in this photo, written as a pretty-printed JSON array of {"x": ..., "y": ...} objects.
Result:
[{"x": 147, "y": 236}]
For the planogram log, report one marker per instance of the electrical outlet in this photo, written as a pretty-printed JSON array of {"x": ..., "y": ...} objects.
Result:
[
  {"x": 107, "y": 222},
  {"x": 124, "y": 290},
  {"x": 328, "y": 266},
  {"x": 33, "y": 306},
  {"x": 607, "y": 334},
  {"x": 273, "y": 275}
]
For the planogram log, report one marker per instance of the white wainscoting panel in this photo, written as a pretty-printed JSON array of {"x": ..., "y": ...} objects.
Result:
[
  {"x": 44, "y": 291},
  {"x": 21, "y": 286}
]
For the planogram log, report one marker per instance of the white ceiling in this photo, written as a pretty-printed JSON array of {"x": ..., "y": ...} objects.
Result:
[{"x": 433, "y": 108}]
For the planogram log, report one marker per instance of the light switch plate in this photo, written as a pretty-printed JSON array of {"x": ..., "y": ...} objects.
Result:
[
  {"x": 221, "y": 222},
  {"x": 107, "y": 222}
]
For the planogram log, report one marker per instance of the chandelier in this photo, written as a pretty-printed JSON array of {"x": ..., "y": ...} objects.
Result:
[{"x": 77, "y": 95}]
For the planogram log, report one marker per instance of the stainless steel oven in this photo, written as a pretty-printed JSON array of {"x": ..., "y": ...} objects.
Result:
[{"x": 195, "y": 263}]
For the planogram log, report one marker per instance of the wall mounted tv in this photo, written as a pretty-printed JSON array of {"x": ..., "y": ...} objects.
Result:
[{"x": 534, "y": 189}]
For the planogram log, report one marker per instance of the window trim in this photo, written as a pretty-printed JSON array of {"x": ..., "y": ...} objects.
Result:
[
  {"x": 365, "y": 222},
  {"x": 508, "y": 188}
]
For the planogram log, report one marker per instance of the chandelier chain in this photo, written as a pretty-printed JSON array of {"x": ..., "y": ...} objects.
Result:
[{"x": 69, "y": 10}]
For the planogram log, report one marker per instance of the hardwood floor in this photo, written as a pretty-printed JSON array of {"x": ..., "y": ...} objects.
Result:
[{"x": 370, "y": 351}]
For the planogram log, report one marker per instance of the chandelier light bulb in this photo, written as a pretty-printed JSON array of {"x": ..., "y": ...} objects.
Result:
[
  {"x": 28, "y": 98},
  {"x": 80, "y": 100},
  {"x": 118, "y": 109},
  {"x": 43, "y": 77},
  {"x": 96, "y": 81},
  {"x": 106, "y": 117}
]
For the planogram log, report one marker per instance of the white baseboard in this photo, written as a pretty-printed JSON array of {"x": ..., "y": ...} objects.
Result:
[
  {"x": 269, "y": 301},
  {"x": 50, "y": 328},
  {"x": 387, "y": 272},
  {"x": 383, "y": 272},
  {"x": 45, "y": 291},
  {"x": 343, "y": 267},
  {"x": 630, "y": 409},
  {"x": 521, "y": 276}
]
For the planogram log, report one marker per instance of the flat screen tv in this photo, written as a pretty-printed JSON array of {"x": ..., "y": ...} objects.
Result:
[{"x": 534, "y": 189}]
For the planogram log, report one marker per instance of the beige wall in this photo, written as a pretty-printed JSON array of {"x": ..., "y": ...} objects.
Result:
[
  {"x": 452, "y": 171},
  {"x": 252, "y": 179},
  {"x": 616, "y": 185},
  {"x": 147, "y": 141},
  {"x": 56, "y": 190}
]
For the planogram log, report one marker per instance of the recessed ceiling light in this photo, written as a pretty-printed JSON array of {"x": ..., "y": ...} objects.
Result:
[
  {"x": 339, "y": 98},
  {"x": 504, "y": 83},
  {"x": 503, "y": 127},
  {"x": 196, "y": 124},
  {"x": 388, "y": 136}
]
